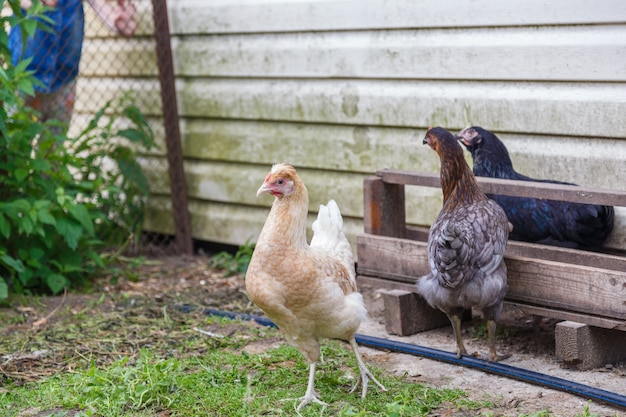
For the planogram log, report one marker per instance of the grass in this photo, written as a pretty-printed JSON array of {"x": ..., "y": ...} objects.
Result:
[
  {"x": 214, "y": 376},
  {"x": 128, "y": 355}
]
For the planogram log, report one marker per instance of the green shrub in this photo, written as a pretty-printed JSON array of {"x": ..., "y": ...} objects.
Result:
[
  {"x": 233, "y": 264},
  {"x": 63, "y": 201}
]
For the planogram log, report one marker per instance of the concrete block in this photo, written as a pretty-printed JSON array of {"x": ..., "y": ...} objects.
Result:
[{"x": 584, "y": 347}]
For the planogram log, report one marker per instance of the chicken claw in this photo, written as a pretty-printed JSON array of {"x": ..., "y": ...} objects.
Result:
[{"x": 366, "y": 375}]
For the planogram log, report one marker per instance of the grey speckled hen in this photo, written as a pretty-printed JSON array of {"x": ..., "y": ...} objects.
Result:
[{"x": 466, "y": 245}]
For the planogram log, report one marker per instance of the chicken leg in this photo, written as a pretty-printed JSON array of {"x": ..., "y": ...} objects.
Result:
[
  {"x": 491, "y": 331},
  {"x": 455, "y": 319},
  {"x": 310, "y": 395},
  {"x": 365, "y": 374}
]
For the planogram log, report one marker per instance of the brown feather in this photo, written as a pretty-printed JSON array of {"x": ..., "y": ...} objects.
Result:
[{"x": 466, "y": 243}]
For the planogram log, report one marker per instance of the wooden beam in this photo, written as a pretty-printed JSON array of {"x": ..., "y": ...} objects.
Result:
[
  {"x": 406, "y": 312},
  {"x": 541, "y": 190},
  {"x": 604, "y": 322},
  {"x": 384, "y": 208},
  {"x": 575, "y": 288},
  {"x": 583, "y": 347},
  {"x": 550, "y": 253},
  {"x": 563, "y": 286},
  {"x": 400, "y": 260}
]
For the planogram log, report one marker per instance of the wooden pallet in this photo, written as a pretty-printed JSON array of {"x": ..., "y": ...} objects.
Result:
[{"x": 587, "y": 290}]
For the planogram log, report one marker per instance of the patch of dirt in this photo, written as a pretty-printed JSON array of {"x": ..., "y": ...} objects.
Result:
[
  {"x": 164, "y": 284},
  {"x": 529, "y": 340}
]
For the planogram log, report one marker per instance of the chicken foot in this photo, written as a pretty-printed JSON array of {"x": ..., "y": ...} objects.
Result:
[
  {"x": 310, "y": 395},
  {"x": 491, "y": 332},
  {"x": 365, "y": 374}
]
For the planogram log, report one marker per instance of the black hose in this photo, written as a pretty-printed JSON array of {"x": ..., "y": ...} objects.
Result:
[
  {"x": 497, "y": 368},
  {"x": 572, "y": 387}
]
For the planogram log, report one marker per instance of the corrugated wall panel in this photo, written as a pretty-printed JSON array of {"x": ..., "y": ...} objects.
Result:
[
  {"x": 592, "y": 109},
  {"x": 229, "y": 224},
  {"x": 592, "y": 53},
  {"x": 241, "y": 16}
]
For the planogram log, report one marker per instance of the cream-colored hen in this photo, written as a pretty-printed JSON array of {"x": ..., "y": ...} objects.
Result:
[{"x": 309, "y": 291}]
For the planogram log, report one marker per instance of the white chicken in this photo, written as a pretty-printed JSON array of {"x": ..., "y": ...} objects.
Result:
[{"x": 308, "y": 291}]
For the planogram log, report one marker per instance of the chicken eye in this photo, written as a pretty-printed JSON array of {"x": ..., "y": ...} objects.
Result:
[{"x": 280, "y": 181}]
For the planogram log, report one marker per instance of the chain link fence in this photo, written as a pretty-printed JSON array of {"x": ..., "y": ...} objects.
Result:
[{"x": 121, "y": 53}]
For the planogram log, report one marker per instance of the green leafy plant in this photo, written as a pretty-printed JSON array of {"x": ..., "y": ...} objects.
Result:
[
  {"x": 64, "y": 201},
  {"x": 233, "y": 263}
]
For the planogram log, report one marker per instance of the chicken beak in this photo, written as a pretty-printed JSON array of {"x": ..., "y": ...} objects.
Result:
[
  {"x": 464, "y": 140},
  {"x": 263, "y": 189}
]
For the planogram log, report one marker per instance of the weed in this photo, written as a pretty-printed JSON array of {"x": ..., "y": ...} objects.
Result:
[
  {"x": 233, "y": 264},
  {"x": 143, "y": 360},
  {"x": 479, "y": 331},
  {"x": 202, "y": 376}
]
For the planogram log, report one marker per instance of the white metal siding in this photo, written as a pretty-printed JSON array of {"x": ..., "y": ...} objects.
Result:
[{"x": 344, "y": 88}]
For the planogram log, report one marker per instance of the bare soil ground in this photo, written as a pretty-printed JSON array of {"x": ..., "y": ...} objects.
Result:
[{"x": 169, "y": 281}]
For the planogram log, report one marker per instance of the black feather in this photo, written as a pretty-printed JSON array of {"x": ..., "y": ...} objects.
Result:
[{"x": 557, "y": 223}]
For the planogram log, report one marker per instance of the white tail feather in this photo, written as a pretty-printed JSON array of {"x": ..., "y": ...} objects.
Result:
[
  {"x": 328, "y": 228},
  {"x": 328, "y": 232}
]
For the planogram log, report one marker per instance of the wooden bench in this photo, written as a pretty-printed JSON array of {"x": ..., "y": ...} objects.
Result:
[{"x": 587, "y": 290}]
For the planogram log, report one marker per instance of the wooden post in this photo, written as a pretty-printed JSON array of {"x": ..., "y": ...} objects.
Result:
[
  {"x": 178, "y": 183},
  {"x": 384, "y": 208}
]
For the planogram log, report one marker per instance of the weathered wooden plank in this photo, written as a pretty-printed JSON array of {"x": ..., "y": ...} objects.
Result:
[
  {"x": 583, "y": 347},
  {"x": 576, "y": 288},
  {"x": 384, "y": 208},
  {"x": 582, "y": 53},
  {"x": 569, "y": 256},
  {"x": 237, "y": 184},
  {"x": 550, "y": 253},
  {"x": 376, "y": 284},
  {"x": 592, "y": 109},
  {"x": 391, "y": 258},
  {"x": 604, "y": 322},
  {"x": 226, "y": 182},
  {"x": 570, "y": 287},
  {"x": 407, "y": 313},
  {"x": 516, "y": 188},
  {"x": 199, "y": 16}
]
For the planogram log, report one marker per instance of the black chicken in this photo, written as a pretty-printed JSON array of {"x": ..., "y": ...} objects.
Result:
[
  {"x": 466, "y": 245},
  {"x": 551, "y": 222}
]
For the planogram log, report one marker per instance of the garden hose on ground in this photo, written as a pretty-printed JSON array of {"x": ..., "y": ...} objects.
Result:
[{"x": 508, "y": 371}]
